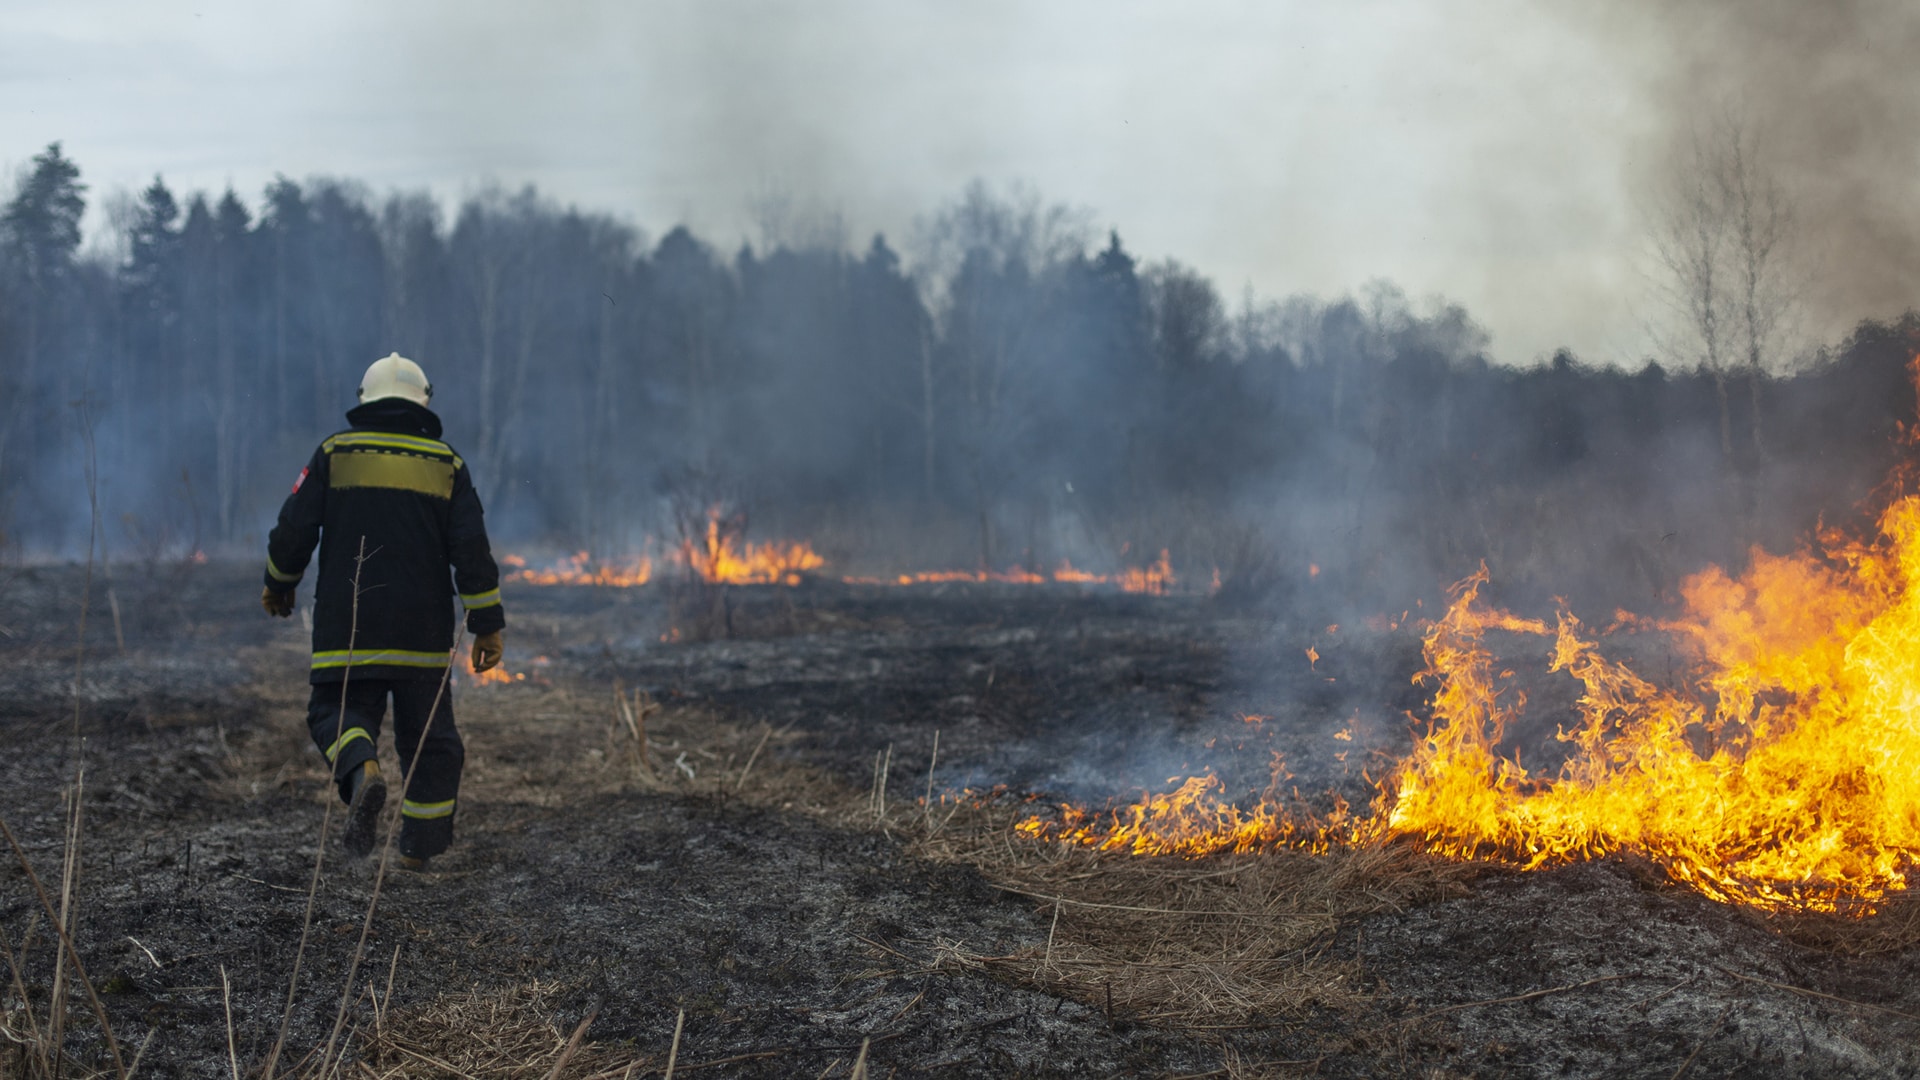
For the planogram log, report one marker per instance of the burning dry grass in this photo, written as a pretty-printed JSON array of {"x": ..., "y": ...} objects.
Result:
[
  {"x": 1895, "y": 927},
  {"x": 1214, "y": 943}
]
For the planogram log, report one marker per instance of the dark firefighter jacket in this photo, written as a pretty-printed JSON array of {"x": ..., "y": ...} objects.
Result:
[{"x": 388, "y": 481}]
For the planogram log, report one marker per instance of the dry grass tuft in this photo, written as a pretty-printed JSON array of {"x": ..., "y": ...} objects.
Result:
[
  {"x": 503, "y": 1035},
  {"x": 534, "y": 744},
  {"x": 1212, "y": 944},
  {"x": 1893, "y": 928}
]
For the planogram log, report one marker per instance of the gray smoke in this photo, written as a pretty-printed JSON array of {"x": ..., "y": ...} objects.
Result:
[{"x": 1828, "y": 90}]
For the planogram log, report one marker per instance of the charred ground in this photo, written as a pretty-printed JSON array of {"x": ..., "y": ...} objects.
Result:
[{"x": 746, "y": 874}]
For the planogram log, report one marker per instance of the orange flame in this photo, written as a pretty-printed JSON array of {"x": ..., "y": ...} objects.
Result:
[
  {"x": 494, "y": 676},
  {"x": 1786, "y": 773},
  {"x": 712, "y": 556},
  {"x": 1157, "y": 579},
  {"x": 1783, "y": 772},
  {"x": 717, "y": 558},
  {"x": 1154, "y": 579},
  {"x": 1192, "y": 820},
  {"x": 582, "y": 569}
]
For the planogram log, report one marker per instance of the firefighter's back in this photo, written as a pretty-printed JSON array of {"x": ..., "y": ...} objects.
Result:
[{"x": 384, "y": 545}]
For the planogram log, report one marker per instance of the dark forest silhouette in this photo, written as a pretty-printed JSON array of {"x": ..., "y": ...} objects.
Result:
[{"x": 1029, "y": 392}]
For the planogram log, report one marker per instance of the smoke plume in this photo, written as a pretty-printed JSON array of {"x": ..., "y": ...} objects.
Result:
[{"x": 1827, "y": 92}]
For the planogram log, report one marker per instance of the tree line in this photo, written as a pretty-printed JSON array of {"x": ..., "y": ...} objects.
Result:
[{"x": 1024, "y": 389}]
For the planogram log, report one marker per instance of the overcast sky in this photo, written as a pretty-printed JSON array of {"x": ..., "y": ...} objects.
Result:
[{"x": 1484, "y": 152}]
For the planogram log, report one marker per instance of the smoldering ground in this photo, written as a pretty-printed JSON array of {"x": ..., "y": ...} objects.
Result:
[
  {"x": 1819, "y": 89},
  {"x": 751, "y": 866}
]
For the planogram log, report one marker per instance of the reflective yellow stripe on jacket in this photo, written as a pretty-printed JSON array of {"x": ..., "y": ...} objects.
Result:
[
  {"x": 338, "y": 658},
  {"x": 391, "y": 441},
  {"x": 388, "y": 469},
  {"x": 490, "y": 598},
  {"x": 380, "y": 459}
]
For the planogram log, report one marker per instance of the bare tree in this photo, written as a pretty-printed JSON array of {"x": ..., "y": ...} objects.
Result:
[
  {"x": 493, "y": 246},
  {"x": 1690, "y": 241},
  {"x": 1762, "y": 232},
  {"x": 1722, "y": 239}
]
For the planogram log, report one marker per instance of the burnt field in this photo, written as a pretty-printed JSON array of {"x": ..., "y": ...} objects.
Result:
[{"x": 735, "y": 834}]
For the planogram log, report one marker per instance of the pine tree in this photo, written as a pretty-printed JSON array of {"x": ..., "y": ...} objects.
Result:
[
  {"x": 151, "y": 297},
  {"x": 39, "y": 234}
]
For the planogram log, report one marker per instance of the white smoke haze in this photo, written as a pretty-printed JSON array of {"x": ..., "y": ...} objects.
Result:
[
  {"x": 1486, "y": 153},
  {"x": 1342, "y": 222}
]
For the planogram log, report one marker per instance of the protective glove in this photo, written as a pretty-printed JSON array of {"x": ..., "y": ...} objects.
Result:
[
  {"x": 276, "y": 603},
  {"x": 487, "y": 650}
]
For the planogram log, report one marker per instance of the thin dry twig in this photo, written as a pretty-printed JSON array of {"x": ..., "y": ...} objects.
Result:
[
  {"x": 1804, "y": 992},
  {"x": 734, "y": 1060},
  {"x": 226, "y": 1003},
  {"x": 435, "y": 1062},
  {"x": 66, "y": 941},
  {"x": 751, "y": 758},
  {"x": 927, "y": 806},
  {"x": 326, "y": 819},
  {"x": 1702, "y": 1044},
  {"x": 386, "y": 851},
  {"x": 69, "y": 869},
  {"x": 573, "y": 1044},
  {"x": 141, "y": 1053},
  {"x": 1164, "y": 911},
  {"x": 1529, "y": 996},
  {"x": 386, "y": 1000},
  {"x": 673, "y": 1052},
  {"x": 37, "y": 1042}
]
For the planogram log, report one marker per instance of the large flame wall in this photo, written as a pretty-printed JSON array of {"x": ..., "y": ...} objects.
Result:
[{"x": 1780, "y": 768}]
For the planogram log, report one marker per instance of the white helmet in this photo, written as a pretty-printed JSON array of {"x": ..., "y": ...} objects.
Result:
[{"x": 394, "y": 376}]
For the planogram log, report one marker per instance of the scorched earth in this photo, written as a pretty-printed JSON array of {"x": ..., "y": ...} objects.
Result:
[{"x": 753, "y": 840}]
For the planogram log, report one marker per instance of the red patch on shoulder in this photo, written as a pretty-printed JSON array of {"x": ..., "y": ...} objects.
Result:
[{"x": 298, "y": 480}]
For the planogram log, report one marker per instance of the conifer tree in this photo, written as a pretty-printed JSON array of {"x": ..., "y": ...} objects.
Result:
[{"x": 39, "y": 234}]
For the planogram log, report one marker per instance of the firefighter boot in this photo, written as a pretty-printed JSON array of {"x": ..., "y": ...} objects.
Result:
[{"x": 368, "y": 796}]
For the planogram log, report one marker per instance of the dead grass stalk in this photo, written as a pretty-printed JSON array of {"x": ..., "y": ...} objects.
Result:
[
  {"x": 320, "y": 846},
  {"x": 394, "y": 817},
  {"x": 500, "y": 1035},
  {"x": 1207, "y": 943}
]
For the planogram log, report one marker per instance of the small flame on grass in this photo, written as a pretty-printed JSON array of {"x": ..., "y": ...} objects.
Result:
[
  {"x": 496, "y": 675},
  {"x": 1156, "y": 579},
  {"x": 1193, "y": 820},
  {"x": 582, "y": 569},
  {"x": 717, "y": 557}
]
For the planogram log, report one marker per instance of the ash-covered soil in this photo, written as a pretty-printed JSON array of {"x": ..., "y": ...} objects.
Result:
[{"x": 739, "y": 872}]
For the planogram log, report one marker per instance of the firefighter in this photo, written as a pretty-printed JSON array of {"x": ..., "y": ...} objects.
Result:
[{"x": 391, "y": 508}]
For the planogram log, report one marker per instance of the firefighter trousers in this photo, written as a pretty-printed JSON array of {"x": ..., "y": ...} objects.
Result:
[{"x": 426, "y": 812}]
